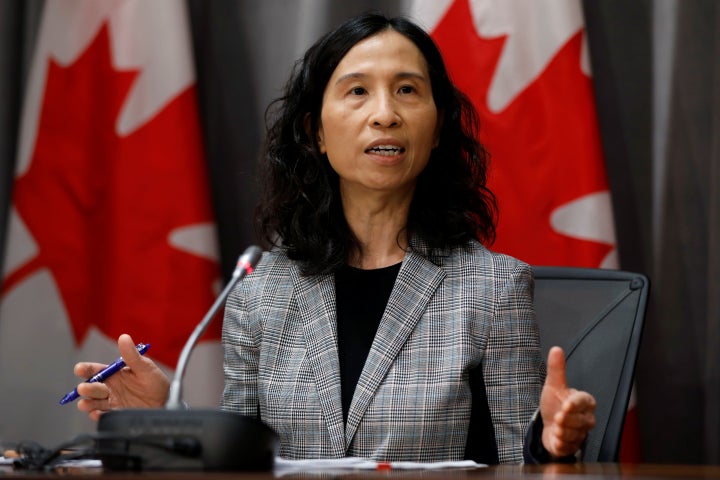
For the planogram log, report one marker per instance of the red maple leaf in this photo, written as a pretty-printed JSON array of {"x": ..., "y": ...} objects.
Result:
[
  {"x": 101, "y": 207},
  {"x": 545, "y": 144}
]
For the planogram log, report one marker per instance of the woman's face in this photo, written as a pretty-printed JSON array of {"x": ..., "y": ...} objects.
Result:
[{"x": 378, "y": 122}]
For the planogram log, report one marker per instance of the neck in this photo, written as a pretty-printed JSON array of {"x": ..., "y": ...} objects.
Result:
[
  {"x": 379, "y": 227},
  {"x": 374, "y": 257}
]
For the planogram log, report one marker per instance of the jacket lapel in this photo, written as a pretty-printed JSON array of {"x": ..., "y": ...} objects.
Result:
[
  {"x": 316, "y": 301},
  {"x": 414, "y": 287}
]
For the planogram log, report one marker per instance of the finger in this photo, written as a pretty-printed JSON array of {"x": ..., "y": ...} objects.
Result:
[
  {"x": 577, "y": 411},
  {"x": 574, "y": 426},
  {"x": 566, "y": 449},
  {"x": 569, "y": 437},
  {"x": 578, "y": 401},
  {"x": 96, "y": 414},
  {"x": 90, "y": 405},
  {"x": 96, "y": 390},
  {"x": 87, "y": 369},
  {"x": 556, "y": 369},
  {"x": 560, "y": 447},
  {"x": 579, "y": 421},
  {"x": 129, "y": 353}
]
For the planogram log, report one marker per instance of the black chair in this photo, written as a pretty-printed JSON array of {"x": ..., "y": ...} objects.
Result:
[{"x": 596, "y": 316}]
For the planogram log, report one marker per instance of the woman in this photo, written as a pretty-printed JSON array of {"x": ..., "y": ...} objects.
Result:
[{"x": 378, "y": 325}]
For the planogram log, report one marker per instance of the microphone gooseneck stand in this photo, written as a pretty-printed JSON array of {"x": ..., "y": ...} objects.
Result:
[{"x": 177, "y": 438}]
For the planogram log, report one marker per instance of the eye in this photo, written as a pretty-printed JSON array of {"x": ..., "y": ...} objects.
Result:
[
  {"x": 357, "y": 91},
  {"x": 406, "y": 89}
]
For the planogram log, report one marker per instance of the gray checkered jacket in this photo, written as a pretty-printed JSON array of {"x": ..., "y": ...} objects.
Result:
[{"x": 445, "y": 316}]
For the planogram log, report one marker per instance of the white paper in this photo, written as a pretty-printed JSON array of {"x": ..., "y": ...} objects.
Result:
[{"x": 284, "y": 466}]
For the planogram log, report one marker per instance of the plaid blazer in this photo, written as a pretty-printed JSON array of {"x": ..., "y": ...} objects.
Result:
[{"x": 445, "y": 316}]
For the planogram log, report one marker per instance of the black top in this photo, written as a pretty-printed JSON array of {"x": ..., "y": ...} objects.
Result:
[{"x": 361, "y": 299}]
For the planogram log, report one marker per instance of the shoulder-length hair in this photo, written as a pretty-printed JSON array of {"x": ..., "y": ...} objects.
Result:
[{"x": 300, "y": 208}]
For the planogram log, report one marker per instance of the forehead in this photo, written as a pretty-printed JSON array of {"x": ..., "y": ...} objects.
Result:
[{"x": 387, "y": 50}]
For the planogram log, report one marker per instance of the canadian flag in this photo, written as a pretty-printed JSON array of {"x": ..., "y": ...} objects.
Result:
[
  {"x": 525, "y": 66},
  {"x": 111, "y": 228}
]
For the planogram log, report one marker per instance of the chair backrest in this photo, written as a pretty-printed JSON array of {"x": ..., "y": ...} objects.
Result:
[{"x": 596, "y": 316}]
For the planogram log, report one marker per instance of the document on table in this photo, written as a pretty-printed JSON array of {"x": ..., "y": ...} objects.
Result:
[
  {"x": 80, "y": 463},
  {"x": 284, "y": 466}
]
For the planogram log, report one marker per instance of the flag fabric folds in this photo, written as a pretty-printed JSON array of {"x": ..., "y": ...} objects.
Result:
[
  {"x": 525, "y": 66},
  {"x": 111, "y": 228}
]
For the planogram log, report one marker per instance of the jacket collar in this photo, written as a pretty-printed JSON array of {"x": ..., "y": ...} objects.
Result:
[
  {"x": 316, "y": 300},
  {"x": 415, "y": 285}
]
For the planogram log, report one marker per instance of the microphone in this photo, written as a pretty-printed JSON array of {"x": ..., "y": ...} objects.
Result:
[
  {"x": 245, "y": 265},
  {"x": 176, "y": 438}
]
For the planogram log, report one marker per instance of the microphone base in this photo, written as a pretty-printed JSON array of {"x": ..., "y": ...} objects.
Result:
[{"x": 187, "y": 440}]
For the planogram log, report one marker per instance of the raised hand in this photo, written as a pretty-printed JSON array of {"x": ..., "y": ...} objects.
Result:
[
  {"x": 568, "y": 414},
  {"x": 140, "y": 384}
]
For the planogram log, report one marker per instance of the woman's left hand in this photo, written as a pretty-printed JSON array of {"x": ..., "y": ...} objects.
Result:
[{"x": 568, "y": 414}]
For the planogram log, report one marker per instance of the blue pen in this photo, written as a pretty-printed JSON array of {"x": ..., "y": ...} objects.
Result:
[{"x": 104, "y": 374}]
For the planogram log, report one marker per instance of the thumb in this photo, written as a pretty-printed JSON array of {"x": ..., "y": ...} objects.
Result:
[
  {"x": 556, "y": 369},
  {"x": 129, "y": 353}
]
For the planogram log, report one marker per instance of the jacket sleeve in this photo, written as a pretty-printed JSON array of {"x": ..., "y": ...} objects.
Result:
[
  {"x": 534, "y": 451},
  {"x": 512, "y": 364},
  {"x": 241, "y": 345}
]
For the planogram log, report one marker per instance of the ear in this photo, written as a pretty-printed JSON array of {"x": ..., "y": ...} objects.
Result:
[
  {"x": 321, "y": 140},
  {"x": 318, "y": 138}
]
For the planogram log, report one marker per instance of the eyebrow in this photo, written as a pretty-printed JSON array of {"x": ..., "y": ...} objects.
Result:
[{"x": 399, "y": 75}]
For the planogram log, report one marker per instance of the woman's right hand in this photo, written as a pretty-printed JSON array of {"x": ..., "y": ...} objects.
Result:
[{"x": 140, "y": 384}]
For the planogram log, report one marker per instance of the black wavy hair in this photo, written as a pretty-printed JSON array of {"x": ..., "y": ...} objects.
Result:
[{"x": 300, "y": 208}]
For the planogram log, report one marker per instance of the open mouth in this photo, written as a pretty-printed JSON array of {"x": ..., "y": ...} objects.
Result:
[{"x": 385, "y": 150}]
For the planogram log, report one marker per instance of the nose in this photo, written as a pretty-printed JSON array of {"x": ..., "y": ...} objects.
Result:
[{"x": 384, "y": 112}]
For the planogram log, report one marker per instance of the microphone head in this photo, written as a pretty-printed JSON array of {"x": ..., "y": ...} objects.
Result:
[{"x": 248, "y": 260}]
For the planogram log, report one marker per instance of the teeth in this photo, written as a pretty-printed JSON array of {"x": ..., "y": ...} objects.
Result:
[{"x": 387, "y": 150}]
